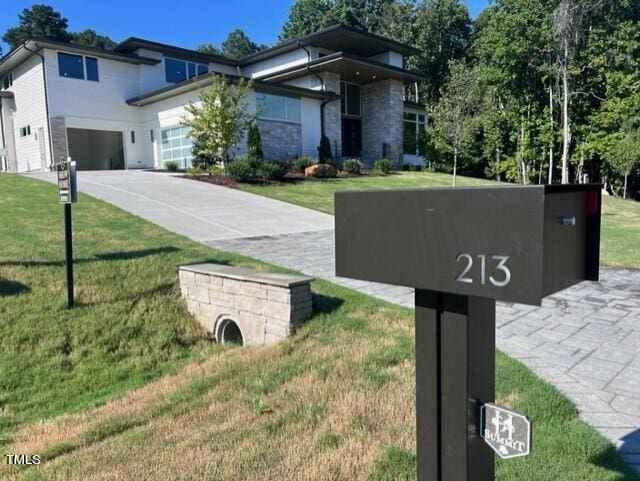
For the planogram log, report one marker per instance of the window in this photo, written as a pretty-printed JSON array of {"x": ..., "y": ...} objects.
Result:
[
  {"x": 92, "y": 68},
  {"x": 152, "y": 136},
  {"x": 75, "y": 66},
  {"x": 133, "y": 137},
  {"x": 70, "y": 66},
  {"x": 277, "y": 107},
  {"x": 349, "y": 98},
  {"x": 7, "y": 81},
  {"x": 414, "y": 133},
  {"x": 180, "y": 70},
  {"x": 176, "y": 146},
  {"x": 25, "y": 131}
]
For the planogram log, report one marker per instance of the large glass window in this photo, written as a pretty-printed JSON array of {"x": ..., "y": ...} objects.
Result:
[
  {"x": 177, "y": 146},
  {"x": 278, "y": 107},
  {"x": 349, "y": 98},
  {"x": 181, "y": 70},
  {"x": 70, "y": 66},
  {"x": 75, "y": 66},
  {"x": 92, "y": 68},
  {"x": 414, "y": 133}
]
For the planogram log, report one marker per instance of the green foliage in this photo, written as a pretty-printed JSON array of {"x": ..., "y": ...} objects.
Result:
[
  {"x": 301, "y": 163},
  {"x": 219, "y": 122},
  {"x": 238, "y": 45},
  {"x": 324, "y": 150},
  {"x": 38, "y": 21},
  {"x": 254, "y": 142},
  {"x": 171, "y": 165},
  {"x": 307, "y": 16},
  {"x": 412, "y": 167},
  {"x": 382, "y": 167},
  {"x": 208, "y": 48},
  {"x": 327, "y": 440},
  {"x": 272, "y": 171},
  {"x": 625, "y": 156},
  {"x": 239, "y": 170},
  {"x": 351, "y": 166},
  {"x": 90, "y": 38}
]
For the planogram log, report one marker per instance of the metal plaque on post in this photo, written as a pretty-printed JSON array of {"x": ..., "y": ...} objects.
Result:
[
  {"x": 67, "y": 182},
  {"x": 507, "y": 432}
]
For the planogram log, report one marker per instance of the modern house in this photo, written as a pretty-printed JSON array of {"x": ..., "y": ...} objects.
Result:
[{"x": 122, "y": 109}]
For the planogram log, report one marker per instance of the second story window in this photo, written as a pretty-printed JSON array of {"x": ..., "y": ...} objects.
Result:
[
  {"x": 277, "y": 107},
  {"x": 181, "y": 70},
  {"x": 78, "y": 67},
  {"x": 350, "y": 98}
]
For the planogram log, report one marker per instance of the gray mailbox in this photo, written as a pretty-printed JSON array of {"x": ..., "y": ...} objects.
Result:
[{"x": 462, "y": 249}]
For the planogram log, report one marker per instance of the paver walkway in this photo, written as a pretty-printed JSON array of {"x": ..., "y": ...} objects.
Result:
[{"x": 584, "y": 340}]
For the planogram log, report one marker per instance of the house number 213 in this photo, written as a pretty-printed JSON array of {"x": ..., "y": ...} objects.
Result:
[{"x": 500, "y": 276}]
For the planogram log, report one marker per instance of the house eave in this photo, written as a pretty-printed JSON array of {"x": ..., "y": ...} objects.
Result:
[
  {"x": 206, "y": 80},
  {"x": 347, "y": 63}
]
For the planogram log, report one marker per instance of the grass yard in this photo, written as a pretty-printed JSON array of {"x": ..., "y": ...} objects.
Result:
[
  {"x": 126, "y": 387},
  {"x": 620, "y": 219}
]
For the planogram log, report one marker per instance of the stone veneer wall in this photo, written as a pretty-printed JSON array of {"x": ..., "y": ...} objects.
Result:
[
  {"x": 266, "y": 307},
  {"x": 59, "y": 138},
  {"x": 332, "y": 114},
  {"x": 382, "y": 107},
  {"x": 280, "y": 140}
]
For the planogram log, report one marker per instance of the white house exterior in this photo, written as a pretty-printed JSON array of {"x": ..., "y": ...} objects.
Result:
[{"x": 123, "y": 108}]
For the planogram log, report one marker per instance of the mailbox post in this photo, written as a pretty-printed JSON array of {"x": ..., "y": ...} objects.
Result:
[{"x": 462, "y": 249}]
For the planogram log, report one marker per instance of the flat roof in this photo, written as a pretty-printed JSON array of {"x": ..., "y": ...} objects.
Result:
[
  {"x": 336, "y": 37},
  {"x": 350, "y": 67},
  {"x": 206, "y": 79},
  {"x": 133, "y": 43},
  {"x": 23, "y": 51}
]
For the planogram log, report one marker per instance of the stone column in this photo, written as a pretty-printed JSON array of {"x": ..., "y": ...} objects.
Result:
[
  {"x": 59, "y": 139},
  {"x": 332, "y": 114},
  {"x": 382, "y": 107}
]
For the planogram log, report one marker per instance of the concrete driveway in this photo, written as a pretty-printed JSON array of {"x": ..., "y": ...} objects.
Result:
[{"x": 200, "y": 211}]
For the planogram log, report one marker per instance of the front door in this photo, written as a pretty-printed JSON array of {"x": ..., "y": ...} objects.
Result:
[{"x": 351, "y": 137}]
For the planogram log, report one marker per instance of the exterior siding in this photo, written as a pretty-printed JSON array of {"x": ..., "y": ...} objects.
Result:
[{"x": 29, "y": 108}]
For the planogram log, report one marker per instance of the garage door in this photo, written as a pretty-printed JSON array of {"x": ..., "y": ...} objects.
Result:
[{"x": 96, "y": 149}]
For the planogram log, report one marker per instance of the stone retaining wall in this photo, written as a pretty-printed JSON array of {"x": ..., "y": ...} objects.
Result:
[{"x": 265, "y": 307}]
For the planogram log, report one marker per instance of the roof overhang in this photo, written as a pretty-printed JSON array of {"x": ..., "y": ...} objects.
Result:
[
  {"x": 22, "y": 52},
  {"x": 337, "y": 38},
  {"x": 133, "y": 43},
  {"x": 350, "y": 67},
  {"x": 203, "y": 81}
]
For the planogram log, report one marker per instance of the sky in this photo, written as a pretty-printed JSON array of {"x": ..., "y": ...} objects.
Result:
[{"x": 200, "y": 21}]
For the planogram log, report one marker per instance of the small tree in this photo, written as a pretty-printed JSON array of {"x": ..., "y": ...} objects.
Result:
[
  {"x": 453, "y": 114},
  {"x": 220, "y": 120},
  {"x": 254, "y": 142},
  {"x": 324, "y": 150},
  {"x": 625, "y": 156}
]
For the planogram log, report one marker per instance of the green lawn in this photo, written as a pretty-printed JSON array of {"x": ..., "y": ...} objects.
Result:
[
  {"x": 136, "y": 379},
  {"x": 620, "y": 219}
]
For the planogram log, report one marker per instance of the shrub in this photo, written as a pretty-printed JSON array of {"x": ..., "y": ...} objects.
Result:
[
  {"x": 255, "y": 164},
  {"x": 352, "y": 166},
  {"x": 324, "y": 150},
  {"x": 239, "y": 170},
  {"x": 301, "y": 163},
  {"x": 382, "y": 166},
  {"x": 171, "y": 166},
  {"x": 195, "y": 170},
  {"x": 272, "y": 171},
  {"x": 412, "y": 167},
  {"x": 254, "y": 142},
  {"x": 215, "y": 170}
]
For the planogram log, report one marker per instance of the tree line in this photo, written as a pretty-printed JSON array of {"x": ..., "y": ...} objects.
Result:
[{"x": 531, "y": 91}]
